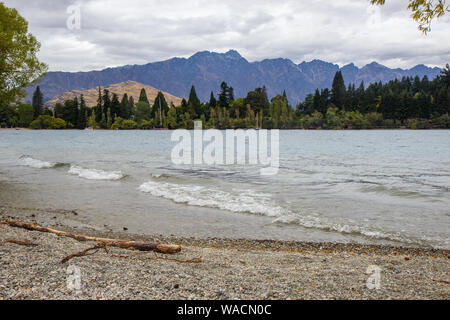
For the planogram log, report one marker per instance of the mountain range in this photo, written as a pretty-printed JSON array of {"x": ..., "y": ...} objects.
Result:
[{"x": 206, "y": 70}]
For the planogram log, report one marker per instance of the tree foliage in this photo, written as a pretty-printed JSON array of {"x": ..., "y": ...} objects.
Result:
[
  {"x": 19, "y": 66},
  {"x": 423, "y": 11}
]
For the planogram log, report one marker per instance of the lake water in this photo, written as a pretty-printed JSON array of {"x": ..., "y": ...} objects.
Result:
[{"x": 384, "y": 186}]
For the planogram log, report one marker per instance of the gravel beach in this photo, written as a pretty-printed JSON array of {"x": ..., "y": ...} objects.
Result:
[{"x": 229, "y": 268}]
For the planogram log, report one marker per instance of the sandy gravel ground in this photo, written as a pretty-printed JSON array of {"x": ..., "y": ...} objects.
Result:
[{"x": 229, "y": 269}]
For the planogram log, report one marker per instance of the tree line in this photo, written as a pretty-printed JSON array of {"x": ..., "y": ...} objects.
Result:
[{"x": 410, "y": 103}]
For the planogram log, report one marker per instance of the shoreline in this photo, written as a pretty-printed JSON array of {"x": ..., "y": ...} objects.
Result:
[
  {"x": 229, "y": 268},
  {"x": 291, "y": 129}
]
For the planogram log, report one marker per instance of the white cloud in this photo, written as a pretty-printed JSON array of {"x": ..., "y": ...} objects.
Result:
[{"x": 115, "y": 33}]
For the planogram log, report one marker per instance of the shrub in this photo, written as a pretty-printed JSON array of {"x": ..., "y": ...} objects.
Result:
[
  {"x": 48, "y": 122},
  {"x": 145, "y": 125},
  {"x": 128, "y": 125},
  {"x": 26, "y": 114}
]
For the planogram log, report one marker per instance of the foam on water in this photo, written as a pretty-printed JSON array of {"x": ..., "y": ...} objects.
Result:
[
  {"x": 322, "y": 223},
  {"x": 244, "y": 201},
  {"x": 36, "y": 163},
  {"x": 95, "y": 174},
  {"x": 250, "y": 201}
]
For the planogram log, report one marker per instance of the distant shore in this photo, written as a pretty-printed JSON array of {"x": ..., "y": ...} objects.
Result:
[
  {"x": 165, "y": 129},
  {"x": 229, "y": 268}
]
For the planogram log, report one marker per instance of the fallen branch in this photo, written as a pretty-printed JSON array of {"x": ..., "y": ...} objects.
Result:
[
  {"x": 83, "y": 253},
  {"x": 131, "y": 245},
  {"x": 21, "y": 242}
]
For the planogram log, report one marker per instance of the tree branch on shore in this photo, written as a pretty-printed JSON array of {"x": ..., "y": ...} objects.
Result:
[
  {"x": 130, "y": 245},
  {"x": 84, "y": 253},
  {"x": 26, "y": 243}
]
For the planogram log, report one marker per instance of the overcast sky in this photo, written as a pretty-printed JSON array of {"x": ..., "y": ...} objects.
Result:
[{"x": 117, "y": 32}]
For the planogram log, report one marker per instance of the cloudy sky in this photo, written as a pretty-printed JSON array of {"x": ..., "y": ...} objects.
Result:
[{"x": 116, "y": 32}]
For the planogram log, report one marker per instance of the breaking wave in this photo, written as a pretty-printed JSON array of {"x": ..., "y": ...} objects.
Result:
[
  {"x": 95, "y": 174},
  {"x": 243, "y": 201},
  {"x": 39, "y": 164},
  {"x": 322, "y": 223},
  {"x": 249, "y": 201}
]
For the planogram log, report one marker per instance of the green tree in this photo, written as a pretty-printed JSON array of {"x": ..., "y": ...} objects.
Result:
[
  {"x": 19, "y": 66},
  {"x": 143, "y": 96},
  {"x": 125, "y": 107},
  {"x": 160, "y": 102},
  {"x": 194, "y": 105},
  {"x": 8, "y": 116},
  {"x": 226, "y": 95},
  {"x": 258, "y": 100},
  {"x": 99, "y": 108},
  {"x": 172, "y": 118},
  {"x": 142, "y": 112},
  {"x": 106, "y": 103},
  {"x": 82, "y": 114},
  {"x": 212, "y": 100},
  {"x": 26, "y": 114},
  {"x": 445, "y": 75},
  {"x": 115, "y": 106},
  {"x": 38, "y": 102},
  {"x": 338, "y": 90}
]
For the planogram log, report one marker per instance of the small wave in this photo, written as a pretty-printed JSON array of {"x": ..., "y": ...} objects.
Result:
[
  {"x": 249, "y": 201},
  {"x": 322, "y": 224},
  {"x": 38, "y": 164},
  {"x": 96, "y": 174},
  {"x": 242, "y": 201}
]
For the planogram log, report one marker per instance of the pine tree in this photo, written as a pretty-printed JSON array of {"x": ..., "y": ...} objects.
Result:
[
  {"x": 338, "y": 91},
  {"x": 125, "y": 108},
  {"x": 223, "y": 100},
  {"x": 132, "y": 107},
  {"x": 115, "y": 107},
  {"x": 106, "y": 102},
  {"x": 212, "y": 100},
  {"x": 82, "y": 114},
  {"x": 38, "y": 102},
  {"x": 74, "y": 113},
  {"x": 194, "y": 104},
  {"x": 156, "y": 105},
  {"x": 445, "y": 75},
  {"x": 99, "y": 109},
  {"x": 143, "y": 96}
]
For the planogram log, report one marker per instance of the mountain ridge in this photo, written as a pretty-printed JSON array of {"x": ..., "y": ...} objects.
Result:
[
  {"x": 131, "y": 88},
  {"x": 207, "y": 69}
]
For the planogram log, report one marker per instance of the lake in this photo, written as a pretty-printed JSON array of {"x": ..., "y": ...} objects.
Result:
[{"x": 380, "y": 186}]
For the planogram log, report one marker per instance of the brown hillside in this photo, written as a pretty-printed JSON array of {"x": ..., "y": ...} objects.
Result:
[{"x": 132, "y": 88}]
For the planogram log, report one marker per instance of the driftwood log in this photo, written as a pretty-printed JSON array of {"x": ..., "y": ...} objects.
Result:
[{"x": 131, "y": 245}]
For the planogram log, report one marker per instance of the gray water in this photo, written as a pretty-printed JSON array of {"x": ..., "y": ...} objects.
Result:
[{"x": 364, "y": 186}]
